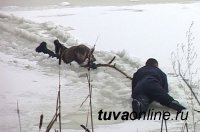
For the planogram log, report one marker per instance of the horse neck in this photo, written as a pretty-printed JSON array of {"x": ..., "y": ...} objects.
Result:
[{"x": 64, "y": 48}]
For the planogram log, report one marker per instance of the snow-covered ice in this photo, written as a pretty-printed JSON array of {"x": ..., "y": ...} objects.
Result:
[
  {"x": 32, "y": 78},
  {"x": 133, "y": 28}
]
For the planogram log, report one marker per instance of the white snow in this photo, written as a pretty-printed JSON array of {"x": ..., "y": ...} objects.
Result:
[
  {"x": 134, "y": 0},
  {"x": 133, "y": 28},
  {"x": 65, "y": 4},
  {"x": 32, "y": 78}
]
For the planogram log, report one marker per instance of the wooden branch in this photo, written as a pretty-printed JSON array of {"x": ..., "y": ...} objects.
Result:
[
  {"x": 114, "y": 67},
  {"x": 112, "y": 60},
  {"x": 111, "y": 66}
]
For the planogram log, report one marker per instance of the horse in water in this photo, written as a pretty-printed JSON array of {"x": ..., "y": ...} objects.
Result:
[{"x": 79, "y": 53}]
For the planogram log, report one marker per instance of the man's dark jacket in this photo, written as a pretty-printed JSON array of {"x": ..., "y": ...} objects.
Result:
[{"x": 147, "y": 79}]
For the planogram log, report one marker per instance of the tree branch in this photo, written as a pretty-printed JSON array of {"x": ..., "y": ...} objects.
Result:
[
  {"x": 114, "y": 67},
  {"x": 188, "y": 85},
  {"x": 193, "y": 93},
  {"x": 111, "y": 66}
]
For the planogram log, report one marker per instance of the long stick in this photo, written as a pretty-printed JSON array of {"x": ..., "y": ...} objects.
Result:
[
  {"x": 161, "y": 125},
  {"x": 20, "y": 127},
  {"x": 86, "y": 124},
  {"x": 183, "y": 128},
  {"x": 59, "y": 95},
  {"x": 52, "y": 122},
  {"x": 56, "y": 115},
  {"x": 84, "y": 101},
  {"x": 91, "y": 110},
  {"x": 90, "y": 97},
  {"x": 58, "y": 104},
  {"x": 41, "y": 121},
  {"x": 186, "y": 126},
  {"x": 85, "y": 127},
  {"x": 166, "y": 126},
  {"x": 90, "y": 90}
]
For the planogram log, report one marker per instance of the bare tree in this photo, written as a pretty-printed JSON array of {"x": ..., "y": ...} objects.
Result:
[{"x": 183, "y": 62}]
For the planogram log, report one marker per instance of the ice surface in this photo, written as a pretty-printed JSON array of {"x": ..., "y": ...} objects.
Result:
[
  {"x": 146, "y": 28},
  {"x": 32, "y": 78}
]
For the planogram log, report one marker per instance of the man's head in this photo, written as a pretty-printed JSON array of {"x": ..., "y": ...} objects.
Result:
[
  {"x": 82, "y": 53},
  {"x": 152, "y": 62}
]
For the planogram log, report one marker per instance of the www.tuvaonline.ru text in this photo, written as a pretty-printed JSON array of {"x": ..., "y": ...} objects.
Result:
[{"x": 149, "y": 115}]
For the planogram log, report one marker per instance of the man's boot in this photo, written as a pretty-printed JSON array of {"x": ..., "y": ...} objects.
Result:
[
  {"x": 140, "y": 105},
  {"x": 136, "y": 106}
]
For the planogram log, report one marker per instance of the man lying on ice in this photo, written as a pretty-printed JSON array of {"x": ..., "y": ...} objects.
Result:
[{"x": 150, "y": 84}]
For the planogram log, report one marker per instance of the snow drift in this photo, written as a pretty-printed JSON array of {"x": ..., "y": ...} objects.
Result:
[{"x": 111, "y": 90}]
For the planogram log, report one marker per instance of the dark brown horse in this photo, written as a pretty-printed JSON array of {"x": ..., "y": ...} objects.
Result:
[{"x": 79, "y": 53}]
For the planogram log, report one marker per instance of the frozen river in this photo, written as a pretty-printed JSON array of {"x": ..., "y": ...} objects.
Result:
[{"x": 142, "y": 31}]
